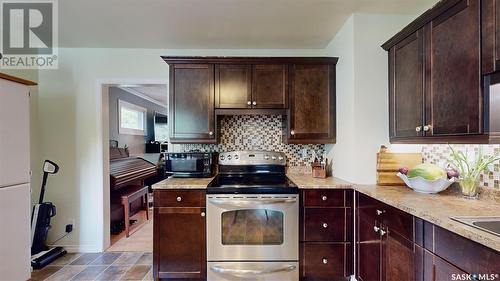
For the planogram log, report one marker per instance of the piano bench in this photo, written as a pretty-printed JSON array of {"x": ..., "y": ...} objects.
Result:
[{"x": 130, "y": 194}]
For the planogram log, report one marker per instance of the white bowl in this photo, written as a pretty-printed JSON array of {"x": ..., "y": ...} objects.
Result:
[{"x": 422, "y": 185}]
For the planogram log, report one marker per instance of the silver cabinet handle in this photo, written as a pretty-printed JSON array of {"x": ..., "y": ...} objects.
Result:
[
  {"x": 376, "y": 228},
  {"x": 292, "y": 132},
  {"x": 249, "y": 103},
  {"x": 203, "y": 214},
  {"x": 325, "y": 225},
  {"x": 254, "y": 103},
  {"x": 324, "y": 198},
  {"x": 418, "y": 129},
  {"x": 211, "y": 133},
  {"x": 382, "y": 232},
  {"x": 325, "y": 260},
  {"x": 251, "y": 202},
  {"x": 427, "y": 128},
  {"x": 246, "y": 272},
  {"x": 179, "y": 199},
  {"x": 379, "y": 212}
]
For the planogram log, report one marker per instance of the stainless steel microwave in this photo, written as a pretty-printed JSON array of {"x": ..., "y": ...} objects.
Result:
[{"x": 190, "y": 164}]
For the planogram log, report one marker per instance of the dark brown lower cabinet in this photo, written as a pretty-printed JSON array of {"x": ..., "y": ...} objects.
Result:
[
  {"x": 401, "y": 258},
  {"x": 179, "y": 236},
  {"x": 326, "y": 261},
  {"x": 326, "y": 240},
  {"x": 437, "y": 269},
  {"x": 384, "y": 240}
]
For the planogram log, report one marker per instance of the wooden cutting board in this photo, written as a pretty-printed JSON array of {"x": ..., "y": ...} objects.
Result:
[{"x": 388, "y": 164}]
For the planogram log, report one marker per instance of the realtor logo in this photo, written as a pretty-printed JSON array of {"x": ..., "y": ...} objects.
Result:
[{"x": 29, "y": 34}]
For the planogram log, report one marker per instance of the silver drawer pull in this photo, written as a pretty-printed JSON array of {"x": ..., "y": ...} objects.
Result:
[
  {"x": 251, "y": 202},
  {"x": 247, "y": 272},
  {"x": 203, "y": 214},
  {"x": 324, "y": 198},
  {"x": 179, "y": 199},
  {"x": 376, "y": 228},
  {"x": 325, "y": 225},
  {"x": 325, "y": 260}
]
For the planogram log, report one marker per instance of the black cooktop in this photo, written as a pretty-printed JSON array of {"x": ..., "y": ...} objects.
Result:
[{"x": 252, "y": 184}]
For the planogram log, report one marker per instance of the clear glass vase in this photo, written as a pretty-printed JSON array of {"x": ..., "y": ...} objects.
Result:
[{"x": 469, "y": 187}]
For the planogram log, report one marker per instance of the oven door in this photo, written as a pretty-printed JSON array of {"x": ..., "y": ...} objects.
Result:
[{"x": 252, "y": 227}]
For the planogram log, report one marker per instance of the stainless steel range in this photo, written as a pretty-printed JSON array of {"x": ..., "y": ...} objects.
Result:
[{"x": 252, "y": 219}]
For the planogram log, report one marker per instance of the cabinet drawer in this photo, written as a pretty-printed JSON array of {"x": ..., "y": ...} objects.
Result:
[
  {"x": 179, "y": 198},
  {"x": 324, "y": 198},
  {"x": 326, "y": 224},
  {"x": 395, "y": 219},
  {"x": 326, "y": 260}
]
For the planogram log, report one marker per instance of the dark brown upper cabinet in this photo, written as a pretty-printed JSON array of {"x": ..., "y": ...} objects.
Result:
[
  {"x": 300, "y": 88},
  {"x": 454, "y": 103},
  {"x": 270, "y": 86},
  {"x": 311, "y": 116},
  {"x": 233, "y": 86},
  {"x": 192, "y": 103},
  {"x": 435, "y": 93},
  {"x": 406, "y": 95},
  {"x": 490, "y": 35}
]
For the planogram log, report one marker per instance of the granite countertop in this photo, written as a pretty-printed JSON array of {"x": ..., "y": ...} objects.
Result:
[
  {"x": 183, "y": 183},
  {"x": 435, "y": 208},
  {"x": 438, "y": 208}
]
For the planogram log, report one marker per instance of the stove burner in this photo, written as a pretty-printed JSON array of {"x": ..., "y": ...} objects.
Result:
[{"x": 252, "y": 172}]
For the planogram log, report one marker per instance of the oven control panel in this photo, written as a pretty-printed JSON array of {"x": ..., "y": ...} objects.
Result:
[{"x": 252, "y": 157}]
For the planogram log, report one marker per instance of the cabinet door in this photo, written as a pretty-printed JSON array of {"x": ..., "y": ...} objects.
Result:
[
  {"x": 270, "y": 86},
  {"x": 192, "y": 103},
  {"x": 233, "y": 86},
  {"x": 15, "y": 133},
  {"x": 179, "y": 243},
  {"x": 490, "y": 36},
  {"x": 406, "y": 94},
  {"x": 368, "y": 261},
  {"x": 453, "y": 95},
  {"x": 437, "y": 269},
  {"x": 312, "y": 104},
  {"x": 399, "y": 258}
]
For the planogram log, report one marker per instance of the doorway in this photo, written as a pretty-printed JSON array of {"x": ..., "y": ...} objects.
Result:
[{"x": 134, "y": 129}]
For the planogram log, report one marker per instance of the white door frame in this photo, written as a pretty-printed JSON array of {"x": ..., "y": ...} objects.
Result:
[{"x": 102, "y": 94}]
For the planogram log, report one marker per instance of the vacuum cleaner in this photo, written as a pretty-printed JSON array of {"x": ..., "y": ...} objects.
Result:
[{"x": 41, "y": 254}]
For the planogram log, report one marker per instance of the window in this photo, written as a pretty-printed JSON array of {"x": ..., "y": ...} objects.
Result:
[{"x": 132, "y": 118}]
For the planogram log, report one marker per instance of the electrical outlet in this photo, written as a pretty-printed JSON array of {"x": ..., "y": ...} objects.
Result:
[{"x": 72, "y": 223}]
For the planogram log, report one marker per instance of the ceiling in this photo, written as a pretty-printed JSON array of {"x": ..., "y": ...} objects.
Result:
[
  {"x": 153, "y": 93},
  {"x": 214, "y": 24}
]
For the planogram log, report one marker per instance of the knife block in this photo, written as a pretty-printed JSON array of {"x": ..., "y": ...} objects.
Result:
[{"x": 318, "y": 171}]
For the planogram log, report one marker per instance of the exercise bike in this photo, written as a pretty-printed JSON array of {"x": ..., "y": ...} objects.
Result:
[{"x": 41, "y": 254}]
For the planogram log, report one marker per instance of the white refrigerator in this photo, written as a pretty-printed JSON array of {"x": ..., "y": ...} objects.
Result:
[{"x": 15, "y": 249}]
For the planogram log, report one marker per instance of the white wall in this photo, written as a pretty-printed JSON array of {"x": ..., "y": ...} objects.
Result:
[{"x": 362, "y": 99}]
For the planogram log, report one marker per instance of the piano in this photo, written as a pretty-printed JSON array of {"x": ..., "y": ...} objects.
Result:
[{"x": 126, "y": 174}]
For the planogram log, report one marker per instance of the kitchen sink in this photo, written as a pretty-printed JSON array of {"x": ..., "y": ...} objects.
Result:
[{"x": 489, "y": 224}]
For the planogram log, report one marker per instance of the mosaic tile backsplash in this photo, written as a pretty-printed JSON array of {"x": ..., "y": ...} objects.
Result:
[
  {"x": 439, "y": 154},
  {"x": 257, "y": 132}
]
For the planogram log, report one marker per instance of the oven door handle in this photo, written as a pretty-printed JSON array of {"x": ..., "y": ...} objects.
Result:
[
  {"x": 243, "y": 202},
  {"x": 247, "y": 272}
]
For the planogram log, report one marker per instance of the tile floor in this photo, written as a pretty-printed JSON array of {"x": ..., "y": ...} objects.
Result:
[{"x": 98, "y": 266}]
